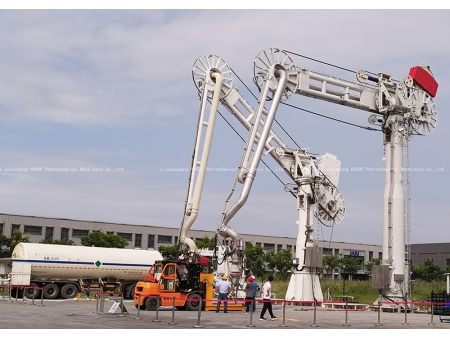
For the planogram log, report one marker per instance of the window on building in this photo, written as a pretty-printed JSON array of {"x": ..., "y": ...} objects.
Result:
[
  {"x": 2, "y": 225},
  {"x": 289, "y": 247},
  {"x": 279, "y": 247},
  {"x": 79, "y": 233},
  {"x": 14, "y": 227},
  {"x": 336, "y": 252},
  {"x": 448, "y": 261},
  {"x": 64, "y": 233},
  {"x": 327, "y": 251},
  {"x": 380, "y": 255},
  {"x": 128, "y": 236},
  {"x": 370, "y": 255},
  {"x": 165, "y": 239},
  {"x": 110, "y": 232},
  {"x": 151, "y": 241},
  {"x": 49, "y": 232},
  {"x": 176, "y": 239},
  {"x": 269, "y": 247},
  {"x": 258, "y": 243},
  {"x": 32, "y": 230},
  {"x": 138, "y": 240}
]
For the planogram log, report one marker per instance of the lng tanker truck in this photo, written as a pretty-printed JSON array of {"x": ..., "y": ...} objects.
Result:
[{"x": 61, "y": 271}]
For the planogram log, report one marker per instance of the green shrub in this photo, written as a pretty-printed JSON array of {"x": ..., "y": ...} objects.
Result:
[{"x": 362, "y": 290}]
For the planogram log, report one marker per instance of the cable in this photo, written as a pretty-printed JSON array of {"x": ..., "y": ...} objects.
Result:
[
  {"x": 331, "y": 118},
  {"x": 243, "y": 83},
  {"x": 325, "y": 63},
  {"x": 332, "y": 65}
]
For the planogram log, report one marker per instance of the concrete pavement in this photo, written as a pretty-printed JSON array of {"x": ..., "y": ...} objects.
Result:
[{"x": 70, "y": 314}]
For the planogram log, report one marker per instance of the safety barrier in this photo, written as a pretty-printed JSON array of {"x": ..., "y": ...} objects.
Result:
[
  {"x": 18, "y": 288},
  {"x": 314, "y": 306}
]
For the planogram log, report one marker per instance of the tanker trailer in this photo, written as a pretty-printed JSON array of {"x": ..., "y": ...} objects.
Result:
[{"x": 62, "y": 271}]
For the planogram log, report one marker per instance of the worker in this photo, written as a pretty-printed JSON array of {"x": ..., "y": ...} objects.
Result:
[
  {"x": 329, "y": 294},
  {"x": 249, "y": 294},
  {"x": 267, "y": 296},
  {"x": 223, "y": 288},
  {"x": 182, "y": 272},
  {"x": 255, "y": 285}
]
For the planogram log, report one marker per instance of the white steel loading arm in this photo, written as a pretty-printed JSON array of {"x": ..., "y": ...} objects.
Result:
[
  {"x": 306, "y": 171},
  {"x": 402, "y": 109},
  {"x": 213, "y": 86}
]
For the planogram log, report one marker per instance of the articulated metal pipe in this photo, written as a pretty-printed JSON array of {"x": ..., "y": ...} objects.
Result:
[
  {"x": 225, "y": 230},
  {"x": 184, "y": 239},
  {"x": 259, "y": 150}
]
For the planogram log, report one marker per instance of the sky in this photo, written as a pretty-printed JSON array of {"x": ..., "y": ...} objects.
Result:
[{"x": 98, "y": 114}]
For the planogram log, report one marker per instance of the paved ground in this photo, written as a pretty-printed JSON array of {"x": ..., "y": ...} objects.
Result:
[{"x": 70, "y": 314}]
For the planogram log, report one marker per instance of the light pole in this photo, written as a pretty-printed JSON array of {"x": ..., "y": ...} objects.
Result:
[{"x": 343, "y": 281}]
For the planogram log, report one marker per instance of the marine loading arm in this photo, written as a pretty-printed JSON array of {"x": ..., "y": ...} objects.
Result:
[
  {"x": 402, "y": 109},
  {"x": 309, "y": 174}
]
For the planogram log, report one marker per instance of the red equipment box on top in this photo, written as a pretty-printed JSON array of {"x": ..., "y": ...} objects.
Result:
[{"x": 424, "y": 79}]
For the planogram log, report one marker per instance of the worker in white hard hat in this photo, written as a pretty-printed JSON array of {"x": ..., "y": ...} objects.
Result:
[{"x": 223, "y": 288}]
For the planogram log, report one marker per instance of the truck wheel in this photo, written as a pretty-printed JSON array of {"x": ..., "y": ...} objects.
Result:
[
  {"x": 151, "y": 304},
  {"x": 193, "y": 302},
  {"x": 129, "y": 292},
  {"x": 69, "y": 291},
  {"x": 28, "y": 292},
  {"x": 132, "y": 293},
  {"x": 51, "y": 291}
]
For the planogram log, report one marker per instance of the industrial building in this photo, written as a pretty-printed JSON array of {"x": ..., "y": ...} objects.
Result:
[
  {"x": 148, "y": 237},
  {"x": 439, "y": 253}
]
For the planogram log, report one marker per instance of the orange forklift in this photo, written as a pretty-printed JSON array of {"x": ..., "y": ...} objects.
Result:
[{"x": 188, "y": 283}]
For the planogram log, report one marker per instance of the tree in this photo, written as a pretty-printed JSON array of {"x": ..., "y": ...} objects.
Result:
[
  {"x": 17, "y": 238},
  {"x": 7, "y": 244},
  {"x": 427, "y": 272},
  {"x": 349, "y": 265},
  {"x": 172, "y": 251},
  {"x": 206, "y": 243},
  {"x": 330, "y": 263},
  {"x": 64, "y": 241},
  {"x": 374, "y": 261},
  {"x": 99, "y": 239},
  {"x": 255, "y": 259},
  {"x": 280, "y": 262}
]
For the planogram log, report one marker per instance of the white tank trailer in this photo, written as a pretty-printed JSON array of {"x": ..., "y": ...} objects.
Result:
[{"x": 62, "y": 271}]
